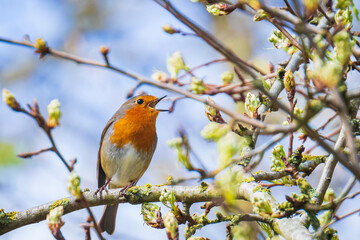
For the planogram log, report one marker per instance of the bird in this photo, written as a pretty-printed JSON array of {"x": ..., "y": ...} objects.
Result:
[{"x": 127, "y": 145}]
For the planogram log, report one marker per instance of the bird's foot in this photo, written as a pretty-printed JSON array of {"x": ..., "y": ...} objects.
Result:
[
  {"x": 127, "y": 187},
  {"x": 102, "y": 188}
]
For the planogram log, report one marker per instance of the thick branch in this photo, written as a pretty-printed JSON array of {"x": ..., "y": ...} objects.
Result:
[
  {"x": 136, "y": 195},
  {"x": 143, "y": 194}
]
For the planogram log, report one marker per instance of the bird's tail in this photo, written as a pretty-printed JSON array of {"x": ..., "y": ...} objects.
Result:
[{"x": 107, "y": 221}]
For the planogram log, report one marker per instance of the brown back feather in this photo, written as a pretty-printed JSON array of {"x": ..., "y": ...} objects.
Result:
[{"x": 100, "y": 171}]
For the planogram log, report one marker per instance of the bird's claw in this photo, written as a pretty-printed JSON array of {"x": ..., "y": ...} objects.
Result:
[
  {"x": 102, "y": 188},
  {"x": 127, "y": 187}
]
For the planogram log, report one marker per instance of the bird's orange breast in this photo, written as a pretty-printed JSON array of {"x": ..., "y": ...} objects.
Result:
[{"x": 137, "y": 127}]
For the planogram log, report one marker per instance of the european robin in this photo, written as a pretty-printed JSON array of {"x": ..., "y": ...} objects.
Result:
[{"x": 127, "y": 145}]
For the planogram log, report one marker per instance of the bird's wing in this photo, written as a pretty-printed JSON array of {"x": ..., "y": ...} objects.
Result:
[{"x": 100, "y": 171}]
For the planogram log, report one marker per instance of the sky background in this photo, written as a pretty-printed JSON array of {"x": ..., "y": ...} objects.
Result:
[{"x": 89, "y": 96}]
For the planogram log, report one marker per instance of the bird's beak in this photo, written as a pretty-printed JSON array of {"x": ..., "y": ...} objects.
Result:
[{"x": 153, "y": 103}]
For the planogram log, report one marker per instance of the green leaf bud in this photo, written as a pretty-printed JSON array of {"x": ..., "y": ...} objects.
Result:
[
  {"x": 197, "y": 85},
  {"x": 54, "y": 113},
  {"x": 286, "y": 206},
  {"x": 218, "y": 9},
  {"x": 41, "y": 47},
  {"x": 344, "y": 18},
  {"x": 54, "y": 220},
  {"x": 262, "y": 206},
  {"x": 277, "y": 155},
  {"x": 176, "y": 63},
  {"x": 252, "y": 103},
  {"x": 74, "y": 185},
  {"x": 329, "y": 195},
  {"x": 326, "y": 74},
  {"x": 227, "y": 77},
  {"x": 149, "y": 211},
  {"x": 40, "y": 44},
  {"x": 175, "y": 142},
  {"x": 265, "y": 84},
  {"x": 304, "y": 186},
  {"x": 169, "y": 29},
  {"x": 260, "y": 15},
  {"x": 298, "y": 111},
  {"x": 214, "y": 131},
  {"x": 10, "y": 100},
  {"x": 169, "y": 200},
  {"x": 278, "y": 39},
  {"x": 55, "y": 214},
  {"x": 213, "y": 114},
  {"x": 171, "y": 225},
  {"x": 289, "y": 80},
  {"x": 210, "y": 111},
  {"x": 343, "y": 46}
]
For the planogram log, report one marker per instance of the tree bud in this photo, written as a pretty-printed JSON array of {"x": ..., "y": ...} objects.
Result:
[
  {"x": 175, "y": 63},
  {"x": 289, "y": 81},
  {"x": 54, "y": 113},
  {"x": 169, "y": 29},
  {"x": 227, "y": 77},
  {"x": 159, "y": 76},
  {"x": 10, "y": 100},
  {"x": 197, "y": 85},
  {"x": 171, "y": 225},
  {"x": 104, "y": 50},
  {"x": 74, "y": 185}
]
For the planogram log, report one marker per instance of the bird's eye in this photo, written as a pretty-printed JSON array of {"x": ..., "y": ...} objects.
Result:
[{"x": 140, "y": 101}]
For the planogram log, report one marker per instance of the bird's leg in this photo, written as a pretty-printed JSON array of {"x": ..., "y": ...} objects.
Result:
[
  {"x": 131, "y": 184},
  {"x": 100, "y": 189}
]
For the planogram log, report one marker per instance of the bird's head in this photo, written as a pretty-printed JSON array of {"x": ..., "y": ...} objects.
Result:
[{"x": 143, "y": 106}]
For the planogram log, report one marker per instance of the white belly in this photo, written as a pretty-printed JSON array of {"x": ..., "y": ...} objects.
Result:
[{"x": 127, "y": 165}]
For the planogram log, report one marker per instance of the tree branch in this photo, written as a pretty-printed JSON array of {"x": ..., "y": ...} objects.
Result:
[
  {"x": 144, "y": 194},
  {"x": 266, "y": 128}
]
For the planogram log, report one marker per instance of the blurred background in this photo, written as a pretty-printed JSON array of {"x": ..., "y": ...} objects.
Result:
[{"x": 89, "y": 96}]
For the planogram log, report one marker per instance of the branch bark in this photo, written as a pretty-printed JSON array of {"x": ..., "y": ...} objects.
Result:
[{"x": 143, "y": 194}]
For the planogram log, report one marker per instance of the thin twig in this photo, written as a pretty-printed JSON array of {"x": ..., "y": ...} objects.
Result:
[
  {"x": 243, "y": 65},
  {"x": 31, "y": 154},
  {"x": 327, "y": 122},
  {"x": 344, "y": 216},
  {"x": 251, "y": 153},
  {"x": 331, "y": 134},
  {"x": 289, "y": 7},
  {"x": 200, "y": 66},
  {"x": 239, "y": 117}
]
